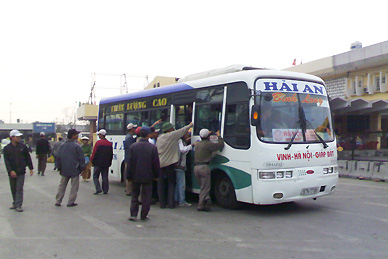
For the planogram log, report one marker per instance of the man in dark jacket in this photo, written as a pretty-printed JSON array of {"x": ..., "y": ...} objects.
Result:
[
  {"x": 16, "y": 158},
  {"x": 129, "y": 140},
  {"x": 144, "y": 166},
  {"x": 71, "y": 162},
  {"x": 101, "y": 160},
  {"x": 42, "y": 150}
]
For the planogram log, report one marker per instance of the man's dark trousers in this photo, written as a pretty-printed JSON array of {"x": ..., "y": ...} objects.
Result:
[
  {"x": 104, "y": 175},
  {"x": 16, "y": 185},
  {"x": 146, "y": 195},
  {"x": 167, "y": 177}
]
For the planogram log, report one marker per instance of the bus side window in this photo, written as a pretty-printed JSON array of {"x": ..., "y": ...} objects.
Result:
[
  {"x": 208, "y": 109},
  {"x": 208, "y": 116},
  {"x": 183, "y": 115},
  {"x": 163, "y": 114},
  {"x": 115, "y": 124},
  {"x": 237, "y": 126}
]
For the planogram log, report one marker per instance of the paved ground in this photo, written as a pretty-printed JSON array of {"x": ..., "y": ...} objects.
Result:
[{"x": 352, "y": 223}]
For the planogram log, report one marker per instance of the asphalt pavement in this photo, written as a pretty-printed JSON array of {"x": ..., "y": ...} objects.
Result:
[{"x": 351, "y": 223}]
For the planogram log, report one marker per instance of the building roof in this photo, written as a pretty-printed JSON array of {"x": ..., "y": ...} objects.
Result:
[
  {"x": 358, "y": 106},
  {"x": 353, "y": 60},
  {"x": 18, "y": 126}
]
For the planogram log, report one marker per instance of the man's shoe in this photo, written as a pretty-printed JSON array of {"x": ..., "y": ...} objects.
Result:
[
  {"x": 132, "y": 218},
  {"x": 105, "y": 192},
  {"x": 206, "y": 209},
  {"x": 13, "y": 207},
  {"x": 186, "y": 204},
  {"x": 18, "y": 209},
  {"x": 146, "y": 218},
  {"x": 72, "y": 205},
  {"x": 97, "y": 192},
  {"x": 42, "y": 174},
  {"x": 38, "y": 173},
  {"x": 58, "y": 204}
]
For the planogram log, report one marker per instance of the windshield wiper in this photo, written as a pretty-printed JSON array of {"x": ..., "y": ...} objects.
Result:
[
  {"x": 319, "y": 137},
  {"x": 303, "y": 126},
  {"x": 293, "y": 136}
]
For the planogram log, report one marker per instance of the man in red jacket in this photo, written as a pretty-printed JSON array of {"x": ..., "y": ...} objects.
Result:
[{"x": 101, "y": 160}]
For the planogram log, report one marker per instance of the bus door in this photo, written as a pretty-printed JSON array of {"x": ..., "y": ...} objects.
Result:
[{"x": 183, "y": 115}]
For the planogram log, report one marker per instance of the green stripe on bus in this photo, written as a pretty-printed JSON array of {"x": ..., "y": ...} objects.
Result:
[{"x": 239, "y": 178}]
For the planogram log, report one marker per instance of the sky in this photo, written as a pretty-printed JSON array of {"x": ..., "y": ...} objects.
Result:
[{"x": 50, "y": 50}]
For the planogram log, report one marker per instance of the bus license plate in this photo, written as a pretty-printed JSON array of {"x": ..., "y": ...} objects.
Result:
[{"x": 309, "y": 191}]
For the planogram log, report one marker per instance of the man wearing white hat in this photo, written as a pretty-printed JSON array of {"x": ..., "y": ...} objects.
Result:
[
  {"x": 101, "y": 160},
  {"x": 129, "y": 140},
  {"x": 203, "y": 154},
  {"x": 17, "y": 158}
]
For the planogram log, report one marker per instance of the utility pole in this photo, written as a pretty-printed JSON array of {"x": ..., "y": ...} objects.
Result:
[
  {"x": 124, "y": 87},
  {"x": 10, "y": 113}
]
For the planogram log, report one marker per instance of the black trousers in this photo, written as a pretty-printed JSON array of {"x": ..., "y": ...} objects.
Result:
[
  {"x": 146, "y": 195},
  {"x": 166, "y": 185},
  {"x": 104, "y": 175}
]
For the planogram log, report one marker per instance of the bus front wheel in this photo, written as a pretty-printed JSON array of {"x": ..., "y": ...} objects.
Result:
[{"x": 225, "y": 193}]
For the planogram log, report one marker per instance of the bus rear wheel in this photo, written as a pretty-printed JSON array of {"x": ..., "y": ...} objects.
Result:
[{"x": 225, "y": 193}]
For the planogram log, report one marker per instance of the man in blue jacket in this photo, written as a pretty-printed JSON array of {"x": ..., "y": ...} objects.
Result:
[{"x": 71, "y": 162}]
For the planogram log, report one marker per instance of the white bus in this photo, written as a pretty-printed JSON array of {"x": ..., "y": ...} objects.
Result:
[{"x": 277, "y": 126}]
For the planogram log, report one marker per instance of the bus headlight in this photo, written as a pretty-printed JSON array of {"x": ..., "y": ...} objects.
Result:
[
  {"x": 279, "y": 174},
  {"x": 288, "y": 174},
  {"x": 275, "y": 175},
  {"x": 267, "y": 175}
]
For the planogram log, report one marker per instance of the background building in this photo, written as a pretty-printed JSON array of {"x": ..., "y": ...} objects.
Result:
[
  {"x": 356, "y": 82},
  {"x": 161, "y": 81}
]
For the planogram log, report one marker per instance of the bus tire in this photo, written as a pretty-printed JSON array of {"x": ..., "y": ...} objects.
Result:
[{"x": 225, "y": 194}]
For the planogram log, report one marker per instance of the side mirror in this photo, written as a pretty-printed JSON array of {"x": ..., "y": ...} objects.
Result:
[{"x": 255, "y": 119}]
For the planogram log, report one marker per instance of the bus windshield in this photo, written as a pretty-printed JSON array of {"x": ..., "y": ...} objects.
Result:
[{"x": 285, "y": 115}]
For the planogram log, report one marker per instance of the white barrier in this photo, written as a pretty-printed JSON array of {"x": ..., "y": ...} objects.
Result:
[
  {"x": 380, "y": 171},
  {"x": 344, "y": 168},
  {"x": 361, "y": 170}
]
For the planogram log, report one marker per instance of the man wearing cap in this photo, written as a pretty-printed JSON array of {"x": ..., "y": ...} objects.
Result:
[
  {"x": 167, "y": 145},
  {"x": 101, "y": 160},
  {"x": 16, "y": 158},
  {"x": 71, "y": 162},
  {"x": 42, "y": 150},
  {"x": 129, "y": 140},
  {"x": 203, "y": 153},
  {"x": 144, "y": 166},
  {"x": 87, "y": 149}
]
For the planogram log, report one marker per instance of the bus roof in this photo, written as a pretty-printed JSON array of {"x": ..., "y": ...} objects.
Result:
[
  {"x": 246, "y": 75},
  {"x": 147, "y": 93}
]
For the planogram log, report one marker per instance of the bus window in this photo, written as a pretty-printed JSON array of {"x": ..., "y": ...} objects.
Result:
[
  {"x": 114, "y": 124},
  {"x": 212, "y": 95},
  {"x": 209, "y": 109},
  {"x": 137, "y": 118},
  {"x": 163, "y": 115},
  {"x": 208, "y": 116},
  {"x": 237, "y": 128},
  {"x": 183, "y": 115},
  {"x": 101, "y": 118}
]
